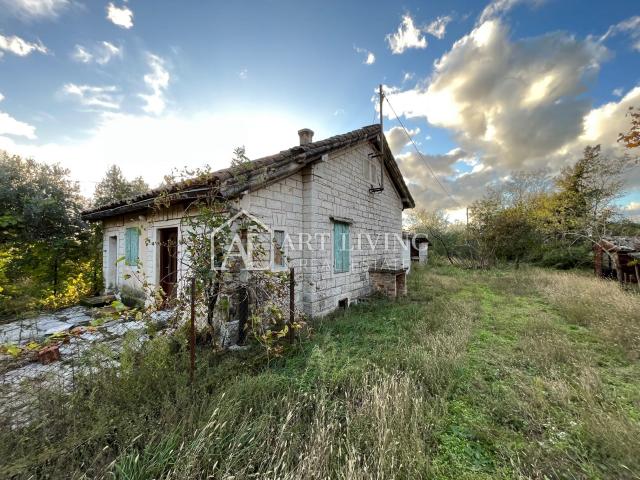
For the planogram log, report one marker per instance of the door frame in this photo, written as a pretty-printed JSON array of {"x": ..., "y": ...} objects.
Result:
[
  {"x": 112, "y": 266},
  {"x": 159, "y": 256}
]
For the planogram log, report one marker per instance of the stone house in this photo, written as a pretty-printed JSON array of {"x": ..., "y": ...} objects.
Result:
[{"x": 334, "y": 208}]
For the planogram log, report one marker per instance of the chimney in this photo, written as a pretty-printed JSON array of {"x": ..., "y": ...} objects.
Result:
[{"x": 306, "y": 136}]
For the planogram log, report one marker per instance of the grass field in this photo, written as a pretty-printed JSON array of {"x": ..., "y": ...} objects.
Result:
[{"x": 475, "y": 375}]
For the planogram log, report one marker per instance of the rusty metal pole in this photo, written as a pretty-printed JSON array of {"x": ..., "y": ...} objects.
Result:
[
  {"x": 243, "y": 314},
  {"x": 292, "y": 303},
  {"x": 192, "y": 333}
]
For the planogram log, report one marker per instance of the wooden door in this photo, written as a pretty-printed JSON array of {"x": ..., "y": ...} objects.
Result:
[{"x": 169, "y": 261}]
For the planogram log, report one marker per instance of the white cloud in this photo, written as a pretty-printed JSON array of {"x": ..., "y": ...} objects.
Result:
[
  {"x": 11, "y": 126},
  {"x": 407, "y": 76},
  {"x": 438, "y": 28},
  {"x": 152, "y": 146},
  {"x": 101, "y": 54},
  {"x": 603, "y": 124},
  {"x": 35, "y": 9},
  {"x": 630, "y": 27},
  {"x": 512, "y": 100},
  {"x": 20, "y": 47},
  {"x": 107, "y": 51},
  {"x": 618, "y": 92},
  {"x": 157, "y": 81},
  {"x": 369, "y": 57},
  {"x": 120, "y": 16},
  {"x": 243, "y": 74},
  {"x": 498, "y": 8},
  {"x": 81, "y": 54},
  {"x": 397, "y": 138},
  {"x": 632, "y": 210},
  {"x": 102, "y": 97},
  {"x": 512, "y": 104},
  {"x": 407, "y": 36}
]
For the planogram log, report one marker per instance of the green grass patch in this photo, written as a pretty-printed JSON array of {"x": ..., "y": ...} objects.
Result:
[{"x": 472, "y": 375}]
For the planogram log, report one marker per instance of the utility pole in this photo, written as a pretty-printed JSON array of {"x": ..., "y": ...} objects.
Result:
[
  {"x": 381, "y": 98},
  {"x": 381, "y": 141}
]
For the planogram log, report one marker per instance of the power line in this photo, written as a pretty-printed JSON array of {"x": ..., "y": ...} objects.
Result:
[{"x": 433, "y": 174}]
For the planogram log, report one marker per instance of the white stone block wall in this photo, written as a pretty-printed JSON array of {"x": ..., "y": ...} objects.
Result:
[
  {"x": 303, "y": 206},
  {"x": 341, "y": 190}
]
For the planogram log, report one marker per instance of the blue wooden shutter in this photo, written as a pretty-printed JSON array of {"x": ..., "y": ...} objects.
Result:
[
  {"x": 346, "y": 246},
  {"x": 341, "y": 247},
  {"x": 132, "y": 242},
  {"x": 337, "y": 251}
]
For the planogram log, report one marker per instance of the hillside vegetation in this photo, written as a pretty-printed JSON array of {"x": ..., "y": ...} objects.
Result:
[{"x": 521, "y": 373}]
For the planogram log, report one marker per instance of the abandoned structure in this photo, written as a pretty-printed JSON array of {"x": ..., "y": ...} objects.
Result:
[
  {"x": 344, "y": 195},
  {"x": 619, "y": 258},
  {"x": 417, "y": 247}
]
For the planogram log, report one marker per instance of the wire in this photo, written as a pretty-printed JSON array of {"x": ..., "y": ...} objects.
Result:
[{"x": 433, "y": 174}]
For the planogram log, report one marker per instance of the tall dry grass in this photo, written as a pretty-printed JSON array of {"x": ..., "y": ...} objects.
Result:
[
  {"x": 373, "y": 429},
  {"x": 601, "y": 305}
]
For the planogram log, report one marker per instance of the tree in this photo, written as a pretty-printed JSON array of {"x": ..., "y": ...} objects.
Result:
[
  {"x": 437, "y": 228},
  {"x": 631, "y": 139},
  {"x": 42, "y": 236},
  {"x": 114, "y": 187},
  {"x": 502, "y": 225},
  {"x": 584, "y": 205}
]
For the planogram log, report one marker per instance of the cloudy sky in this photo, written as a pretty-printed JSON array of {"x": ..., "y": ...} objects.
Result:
[{"x": 485, "y": 88}]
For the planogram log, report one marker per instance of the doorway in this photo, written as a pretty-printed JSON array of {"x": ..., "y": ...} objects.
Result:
[
  {"x": 112, "y": 265},
  {"x": 168, "y": 277}
]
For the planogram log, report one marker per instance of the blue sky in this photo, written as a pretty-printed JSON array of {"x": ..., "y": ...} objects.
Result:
[{"x": 485, "y": 87}]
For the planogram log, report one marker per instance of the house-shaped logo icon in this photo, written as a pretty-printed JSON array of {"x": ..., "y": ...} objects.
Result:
[{"x": 243, "y": 242}]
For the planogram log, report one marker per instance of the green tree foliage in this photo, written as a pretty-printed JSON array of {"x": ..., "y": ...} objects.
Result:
[
  {"x": 445, "y": 237},
  {"x": 533, "y": 217},
  {"x": 114, "y": 187},
  {"x": 503, "y": 225},
  {"x": 43, "y": 240},
  {"x": 631, "y": 139}
]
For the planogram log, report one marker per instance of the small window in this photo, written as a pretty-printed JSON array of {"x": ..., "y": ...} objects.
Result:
[
  {"x": 132, "y": 245},
  {"x": 341, "y": 247},
  {"x": 278, "y": 248},
  {"x": 371, "y": 170}
]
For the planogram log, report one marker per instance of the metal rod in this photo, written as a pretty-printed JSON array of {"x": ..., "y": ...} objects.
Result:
[
  {"x": 381, "y": 97},
  {"x": 192, "y": 333},
  {"x": 243, "y": 314},
  {"x": 292, "y": 303},
  {"x": 381, "y": 142}
]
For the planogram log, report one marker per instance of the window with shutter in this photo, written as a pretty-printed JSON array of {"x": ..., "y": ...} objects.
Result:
[
  {"x": 341, "y": 247},
  {"x": 131, "y": 243}
]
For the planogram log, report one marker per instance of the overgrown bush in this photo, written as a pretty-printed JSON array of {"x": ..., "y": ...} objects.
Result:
[{"x": 564, "y": 257}]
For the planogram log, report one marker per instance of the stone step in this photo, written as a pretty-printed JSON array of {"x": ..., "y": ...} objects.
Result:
[{"x": 98, "y": 301}]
